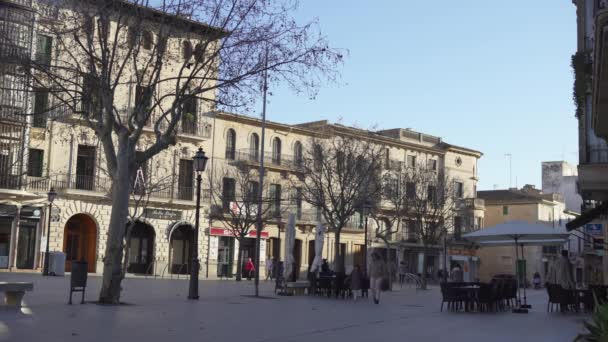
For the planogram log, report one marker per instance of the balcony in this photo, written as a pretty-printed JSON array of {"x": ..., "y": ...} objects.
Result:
[
  {"x": 472, "y": 204},
  {"x": 281, "y": 162},
  {"x": 91, "y": 183},
  {"x": 180, "y": 193},
  {"x": 600, "y": 75},
  {"x": 187, "y": 128},
  {"x": 593, "y": 174}
]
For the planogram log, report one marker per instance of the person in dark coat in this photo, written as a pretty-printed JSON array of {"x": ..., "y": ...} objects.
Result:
[{"x": 356, "y": 279}]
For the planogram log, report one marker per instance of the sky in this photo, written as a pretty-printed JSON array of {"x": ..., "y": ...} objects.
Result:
[{"x": 493, "y": 76}]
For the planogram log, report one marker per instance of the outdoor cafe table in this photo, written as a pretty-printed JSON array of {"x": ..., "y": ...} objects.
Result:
[{"x": 472, "y": 293}]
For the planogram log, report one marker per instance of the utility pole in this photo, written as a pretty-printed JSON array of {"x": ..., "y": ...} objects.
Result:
[{"x": 258, "y": 233}]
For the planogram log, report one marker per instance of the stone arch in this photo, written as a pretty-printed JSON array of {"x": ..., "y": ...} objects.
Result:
[
  {"x": 141, "y": 248},
  {"x": 181, "y": 236},
  {"x": 80, "y": 241}
]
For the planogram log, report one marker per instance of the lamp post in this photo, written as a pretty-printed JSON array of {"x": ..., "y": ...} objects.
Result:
[
  {"x": 52, "y": 194},
  {"x": 366, "y": 211},
  {"x": 200, "y": 161}
]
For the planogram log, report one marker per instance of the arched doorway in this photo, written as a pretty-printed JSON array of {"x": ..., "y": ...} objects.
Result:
[
  {"x": 141, "y": 249},
  {"x": 180, "y": 251},
  {"x": 80, "y": 241}
]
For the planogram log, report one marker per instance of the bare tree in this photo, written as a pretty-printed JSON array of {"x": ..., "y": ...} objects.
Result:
[
  {"x": 235, "y": 196},
  {"x": 127, "y": 69},
  {"x": 423, "y": 201},
  {"x": 340, "y": 172}
]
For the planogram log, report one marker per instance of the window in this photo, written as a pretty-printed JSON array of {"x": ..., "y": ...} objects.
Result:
[
  {"x": 478, "y": 223},
  {"x": 131, "y": 36},
  {"x": 432, "y": 194},
  {"x": 228, "y": 192},
  {"x": 410, "y": 190},
  {"x": 253, "y": 189},
  {"x": 230, "y": 144},
  {"x": 85, "y": 167},
  {"x": 340, "y": 161},
  {"x": 275, "y": 200},
  {"x": 387, "y": 156},
  {"x": 143, "y": 97},
  {"x": 318, "y": 156},
  {"x": 391, "y": 188},
  {"x": 187, "y": 50},
  {"x": 276, "y": 151},
  {"x": 505, "y": 210},
  {"x": 41, "y": 104},
  {"x": 459, "y": 189},
  {"x": 412, "y": 230},
  {"x": 186, "y": 179},
  {"x": 189, "y": 116},
  {"x": 90, "y": 97},
  {"x": 432, "y": 165},
  {"x": 44, "y": 48},
  {"x": 147, "y": 40},
  {"x": 297, "y": 154},
  {"x": 254, "y": 147},
  {"x": 411, "y": 161},
  {"x": 296, "y": 198},
  {"x": 34, "y": 164},
  {"x": 457, "y": 227},
  {"x": 199, "y": 53}
]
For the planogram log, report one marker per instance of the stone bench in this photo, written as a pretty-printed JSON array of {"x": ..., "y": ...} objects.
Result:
[
  {"x": 14, "y": 292},
  {"x": 298, "y": 287}
]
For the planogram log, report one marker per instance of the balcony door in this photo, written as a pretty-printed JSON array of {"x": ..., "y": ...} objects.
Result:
[
  {"x": 85, "y": 167},
  {"x": 186, "y": 180}
]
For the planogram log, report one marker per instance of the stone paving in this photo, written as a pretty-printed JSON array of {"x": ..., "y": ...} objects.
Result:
[{"x": 158, "y": 310}]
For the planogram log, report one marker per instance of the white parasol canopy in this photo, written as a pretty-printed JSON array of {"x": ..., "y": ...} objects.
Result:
[
  {"x": 319, "y": 241},
  {"x": 290, "y": 241},
  {"x": 512, "y": 231}
]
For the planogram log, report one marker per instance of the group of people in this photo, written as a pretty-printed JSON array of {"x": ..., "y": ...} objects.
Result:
[{"x": 378, "y": 278}]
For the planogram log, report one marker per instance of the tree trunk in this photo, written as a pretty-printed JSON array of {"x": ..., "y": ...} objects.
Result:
[
  {"x": 423, "y": 273},
  {"x": 112, "y": 264},
  {"x": 239, "y": 264},
  {"x": 338, "y": 258}
]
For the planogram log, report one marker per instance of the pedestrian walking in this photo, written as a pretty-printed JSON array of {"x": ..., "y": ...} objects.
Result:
[
  {"x": 249, "y": 268},
  {"x": 356, "y": 278},
  {"x": 378, "y": 273},
  {"x": 269, "y": 268}
]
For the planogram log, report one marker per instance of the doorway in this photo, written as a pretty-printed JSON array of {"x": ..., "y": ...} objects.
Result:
[
  {"x": 26, "y": 245},
  {"x": 141, "y": 249},
  {"x": 80, "y": 241},
  {"x": 297, "y": 257},
  {"x": 225, "y": 256},
  {"x": 181, "y": 240}
]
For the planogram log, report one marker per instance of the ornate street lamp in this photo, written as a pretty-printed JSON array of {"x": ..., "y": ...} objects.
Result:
[
  {"x": 200, "y": 162},
  {"x": 52, "y": 195}
]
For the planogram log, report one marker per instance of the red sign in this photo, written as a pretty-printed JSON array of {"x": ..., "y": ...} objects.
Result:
[{"x": 228, "y": 232}]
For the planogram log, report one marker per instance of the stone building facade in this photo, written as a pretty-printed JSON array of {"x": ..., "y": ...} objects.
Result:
[{"x": 67, "y": 156}]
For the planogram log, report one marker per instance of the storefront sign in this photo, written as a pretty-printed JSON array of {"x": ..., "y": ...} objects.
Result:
[
  {"x": 228, "y": 232},
  {"x": 213, "y": 247},
  {"x": 467, "y": 252},
  {"x": 162, "y": 214},
  {"x": 56, "y": 214},
  {"x": 594, "y": 229}
]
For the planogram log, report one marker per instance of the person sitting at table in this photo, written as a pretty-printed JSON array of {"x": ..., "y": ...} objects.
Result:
[
  {"x": 456, "y": 275},
  {"x": 536, "y": 280}
]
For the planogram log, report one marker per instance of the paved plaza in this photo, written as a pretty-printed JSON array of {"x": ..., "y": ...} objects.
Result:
[{"x": 157, "y": 310}]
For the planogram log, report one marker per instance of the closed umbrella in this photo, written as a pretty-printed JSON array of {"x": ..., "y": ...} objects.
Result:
[
  {"x": 290, "y": 240},
  {"x": 319, "y": 241},
  {"x": 518, "y": 233}
]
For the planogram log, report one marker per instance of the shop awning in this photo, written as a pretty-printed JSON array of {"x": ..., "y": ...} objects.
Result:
[{"x": 588, "y": 216}]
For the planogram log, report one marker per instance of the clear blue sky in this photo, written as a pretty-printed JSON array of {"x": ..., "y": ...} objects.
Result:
[{"x": 489, "y": 75}]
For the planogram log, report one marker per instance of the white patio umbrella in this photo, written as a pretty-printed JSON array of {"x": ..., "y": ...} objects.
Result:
[
  {"x": 319, "y": 241},
  {"x": 519, "y": 233},
  {"x": 290, "y": 240}
]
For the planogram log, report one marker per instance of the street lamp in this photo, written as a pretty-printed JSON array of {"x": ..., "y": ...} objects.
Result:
[
  {"x": 52, "y": 194},
  {"x": 200, "y": 161},
  {"x": 367, "y": 208}
]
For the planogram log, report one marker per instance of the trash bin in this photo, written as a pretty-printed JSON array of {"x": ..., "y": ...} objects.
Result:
[
  {"x": 57, "y": 263},
  {"x": 78, "y": 278}
]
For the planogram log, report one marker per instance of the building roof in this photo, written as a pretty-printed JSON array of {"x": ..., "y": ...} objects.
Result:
[{"x": 526, "y": 194}]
